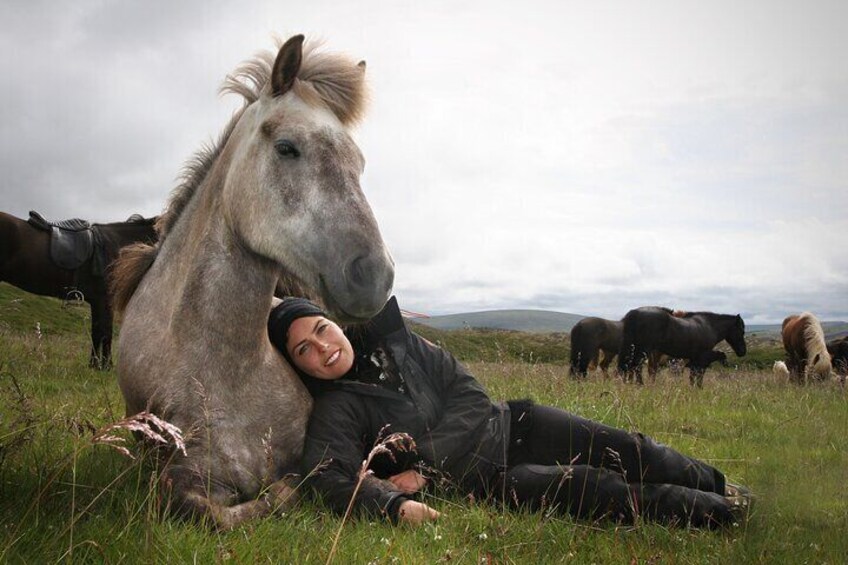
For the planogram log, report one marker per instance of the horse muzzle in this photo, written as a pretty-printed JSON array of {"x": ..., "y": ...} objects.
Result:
[{"x": 359, "y": 289}]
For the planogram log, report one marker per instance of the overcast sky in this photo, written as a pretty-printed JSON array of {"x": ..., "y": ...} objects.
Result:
[{"x": 585, "y": 157}]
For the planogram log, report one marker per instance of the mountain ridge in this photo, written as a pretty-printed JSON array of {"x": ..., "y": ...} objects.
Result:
[{"x": 550, "y": 321}]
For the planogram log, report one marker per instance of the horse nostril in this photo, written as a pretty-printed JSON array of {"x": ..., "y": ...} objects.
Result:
[{"x": 359, "y": 270}]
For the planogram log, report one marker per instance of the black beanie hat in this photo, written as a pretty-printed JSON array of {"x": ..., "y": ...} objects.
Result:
[{"x": 282, "y": 316}]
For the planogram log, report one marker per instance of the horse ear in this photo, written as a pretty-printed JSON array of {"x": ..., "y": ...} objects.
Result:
[{"x": 286, "y": 65}]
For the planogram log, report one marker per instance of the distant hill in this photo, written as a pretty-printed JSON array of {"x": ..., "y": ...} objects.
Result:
[
  {"x": 546, "y": 321},
  {"x": 535, "y": 321},
  {"x": 832, "y": 330}
]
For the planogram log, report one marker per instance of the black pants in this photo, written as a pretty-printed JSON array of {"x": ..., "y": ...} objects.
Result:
[{"x": 590, "y": 470}]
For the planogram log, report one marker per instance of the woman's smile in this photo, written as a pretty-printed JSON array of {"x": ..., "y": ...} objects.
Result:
[{"x": 333, "y": 358}]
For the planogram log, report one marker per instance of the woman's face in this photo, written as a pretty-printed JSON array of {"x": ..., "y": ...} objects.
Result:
[{"x": 319, "y": 348}]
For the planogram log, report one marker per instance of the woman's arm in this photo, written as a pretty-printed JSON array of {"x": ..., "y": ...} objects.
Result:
[
  {"x": 464, "y": 401},
  {"x": 333, "y": 454}
]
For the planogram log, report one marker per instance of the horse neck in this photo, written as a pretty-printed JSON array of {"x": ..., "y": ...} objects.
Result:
[
  {"x": 128, "y": 231},
  {"x": 221, "y": 291},
  {"x": 114, "y": 236}
]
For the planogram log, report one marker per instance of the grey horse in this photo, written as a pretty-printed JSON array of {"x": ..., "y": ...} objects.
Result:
[{"x": 277, "y": 198}]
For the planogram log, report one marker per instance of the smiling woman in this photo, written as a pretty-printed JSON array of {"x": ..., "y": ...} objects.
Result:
[
  {"x": 310, "y": 340},
  {"x": 524, "y": 455}
]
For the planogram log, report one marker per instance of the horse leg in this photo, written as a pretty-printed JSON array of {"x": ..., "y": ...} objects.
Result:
[
  {"x": 583, "y": 361},
  {"x": 576, "y": 361},
  {"x": 700, "y": 376},
  {"x": 795, "y": 368},
  {"x": 696, "y": 376},
  {"x": 653, "y": 365},
  {"x": 639, "y": 357},
  {"x": 106, "y": 351},
  {"x": 101, "y": 323},
  {"x": 194, "y": 503},
  {"x": 605, "y": 363},
  {"x": 626, "y": 358},
  {"x": 595, "y": 362},
  {"x": 96, "y": 333}
]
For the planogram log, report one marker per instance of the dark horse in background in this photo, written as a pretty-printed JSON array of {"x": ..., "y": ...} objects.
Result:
[
  {"x": 690, "y": 336},
  {"x": 589, "y": 338},
  {"x": 838, "y": 349},
  {"x": 70, "y": 260}
]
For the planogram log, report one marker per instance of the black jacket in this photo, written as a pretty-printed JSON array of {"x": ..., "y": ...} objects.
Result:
[{"x": 457, "y": 429}]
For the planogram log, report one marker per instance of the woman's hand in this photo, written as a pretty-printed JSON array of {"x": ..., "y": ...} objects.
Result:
[
  {"x": 409, "y": 481},
  {"x": 414, "y": 512}
]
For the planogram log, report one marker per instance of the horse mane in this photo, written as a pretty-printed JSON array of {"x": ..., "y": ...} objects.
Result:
[
  {"x": 814, "y": 342},
  {"x": 126, "y": 273},
  {"x": 324, "y": 79}
]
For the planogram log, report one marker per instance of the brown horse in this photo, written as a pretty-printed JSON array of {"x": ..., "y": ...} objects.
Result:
[
  {"x": 589, "y": 338},
  {"x": 690, "y": 336},
  {"x": 277, "y": 198},
  {"x": 25, "y": 261},
  {"x": 806, "y": 350}
]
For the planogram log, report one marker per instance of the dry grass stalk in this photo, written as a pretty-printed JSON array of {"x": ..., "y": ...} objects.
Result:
[
  {"x": 146, "y": 424},
  {"x": 388, "y": 445}
]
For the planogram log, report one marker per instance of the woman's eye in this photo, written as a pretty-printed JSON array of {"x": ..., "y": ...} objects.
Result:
[
  {"x": 286, "y": 148},
  {"x": 302, "y": 349},
  {"x": 321, "y": 328}
]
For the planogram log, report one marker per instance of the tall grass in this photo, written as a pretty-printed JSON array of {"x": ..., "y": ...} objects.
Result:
[{"x": 64, "y": 497}]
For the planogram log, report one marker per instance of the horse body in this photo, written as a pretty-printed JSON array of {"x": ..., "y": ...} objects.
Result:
[
  {"x": 589, "y": 338},
  {"x": 277, "y": 200},
  {"x": 25, "y": 262},
  {"x": 806, "y": 350},
  {"x": 690, "y": 336}
]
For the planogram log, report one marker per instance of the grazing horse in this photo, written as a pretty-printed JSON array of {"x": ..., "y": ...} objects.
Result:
[
  {"x": 838, "y": 349},
  {"x": 698, "y": 365},
  {"x": 690, "y": 336},
  {"x": 589, "y": 338},
  {"x": 656, "y": 360},
  {"x": 806, "y": 350},
  {"x": 276, "y": 199},
  {"x": 25, "y": 261}
]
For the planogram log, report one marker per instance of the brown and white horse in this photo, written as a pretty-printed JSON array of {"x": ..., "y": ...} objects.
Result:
[
  {"x": 806, "y": 350},
  {"x": 276, "y": 199}
]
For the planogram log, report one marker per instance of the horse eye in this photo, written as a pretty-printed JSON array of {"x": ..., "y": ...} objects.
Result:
[{"x": 286, "y": 148}]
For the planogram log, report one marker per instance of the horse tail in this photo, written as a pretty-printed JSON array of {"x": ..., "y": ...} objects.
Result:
[
  {"x": 818, "y": 359},
  {"x": 128, "y": 270}
]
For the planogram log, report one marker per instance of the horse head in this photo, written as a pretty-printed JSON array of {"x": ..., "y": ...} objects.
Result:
[
  {"x": 736, "y": 336},
  {"x": 297, "y": 200}
]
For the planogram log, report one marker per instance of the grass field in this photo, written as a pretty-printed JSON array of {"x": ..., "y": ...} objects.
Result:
[{"x": 64, "y": 498}]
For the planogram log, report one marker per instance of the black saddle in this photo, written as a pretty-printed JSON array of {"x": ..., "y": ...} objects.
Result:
[
  {"x": 74, "y": 224},
  {"x": 71, "y": 241}
]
